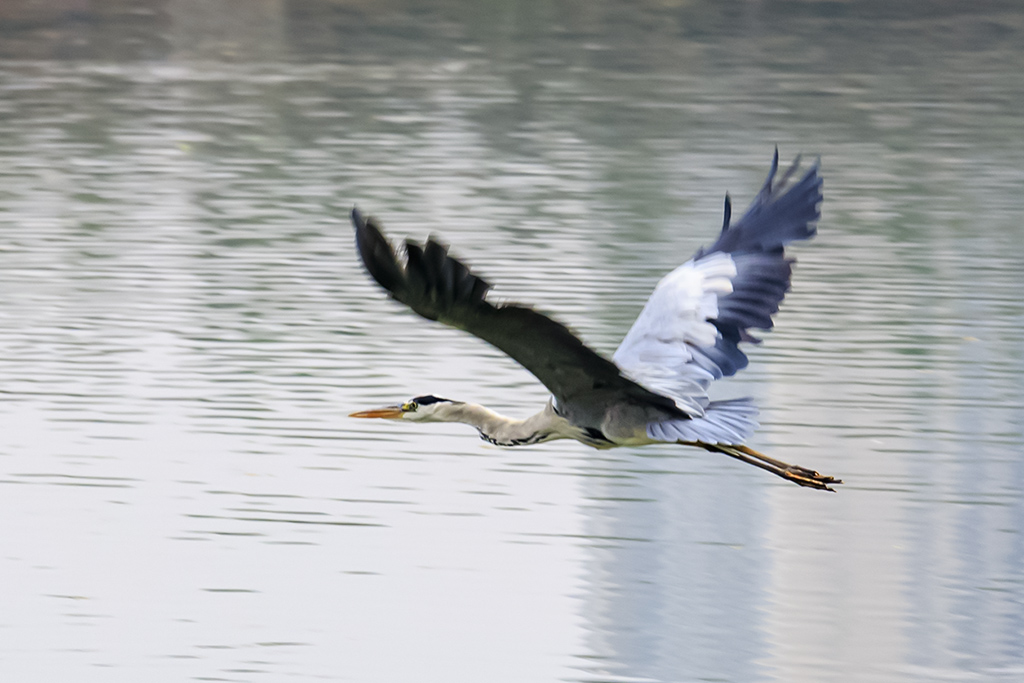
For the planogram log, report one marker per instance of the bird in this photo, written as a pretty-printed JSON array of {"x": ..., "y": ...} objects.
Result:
[{"x": 654, "y": 388}]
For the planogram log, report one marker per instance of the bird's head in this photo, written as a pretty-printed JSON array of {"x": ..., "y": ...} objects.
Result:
[{"x": 419, "y": 409}]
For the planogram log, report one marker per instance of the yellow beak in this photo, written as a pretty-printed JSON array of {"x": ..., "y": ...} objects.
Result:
[{"x": 389, "y": 413}]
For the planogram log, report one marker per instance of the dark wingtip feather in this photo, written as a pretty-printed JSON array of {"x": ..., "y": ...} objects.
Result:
[
  {"x": 435, "y": 254},
  {"x": 376, "y": 252},
  {"x": 781, "y": 212},
  {"x": 766, "y": 189},
  {"x": 431, "y": 281},
  {"x": 416, "y": 276}
]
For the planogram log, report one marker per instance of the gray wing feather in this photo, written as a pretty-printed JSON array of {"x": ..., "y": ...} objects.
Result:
[
  {"x": 689, "y": 332},
  {"x": 439, "y": 287}
]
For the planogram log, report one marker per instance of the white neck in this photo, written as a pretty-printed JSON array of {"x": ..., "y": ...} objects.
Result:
[{"x": 506, "y": 431}]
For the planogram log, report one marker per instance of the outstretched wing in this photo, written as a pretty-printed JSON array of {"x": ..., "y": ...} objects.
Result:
[
  {"x": 439, "y": 287},
  {"x": 689, "y": 332}
]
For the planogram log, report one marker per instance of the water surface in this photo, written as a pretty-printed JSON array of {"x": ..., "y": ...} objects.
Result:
[{"x": 184, "y": 327}]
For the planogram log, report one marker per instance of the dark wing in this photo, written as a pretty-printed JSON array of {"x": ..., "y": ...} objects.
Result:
[{"x": 439, "y": 287}]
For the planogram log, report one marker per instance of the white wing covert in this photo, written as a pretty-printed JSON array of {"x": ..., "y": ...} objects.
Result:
[
  {"x": 662, "y": 351},
  {"x": 688, "y": 333}
]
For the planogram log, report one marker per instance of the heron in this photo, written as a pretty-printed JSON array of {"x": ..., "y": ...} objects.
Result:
[{"x": 654, "y": 388}]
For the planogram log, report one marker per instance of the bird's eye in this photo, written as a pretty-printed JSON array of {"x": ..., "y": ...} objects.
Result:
[{"x": 410, "y": 407}]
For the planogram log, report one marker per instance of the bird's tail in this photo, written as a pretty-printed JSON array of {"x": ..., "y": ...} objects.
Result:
[{"x": 722, "y": 422}]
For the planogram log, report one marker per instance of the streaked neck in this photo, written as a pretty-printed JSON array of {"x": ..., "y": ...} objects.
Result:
[{"x": 506, "y": 431}]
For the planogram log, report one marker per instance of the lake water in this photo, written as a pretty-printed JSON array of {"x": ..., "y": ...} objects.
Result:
[{"x": 184, "y": 326}]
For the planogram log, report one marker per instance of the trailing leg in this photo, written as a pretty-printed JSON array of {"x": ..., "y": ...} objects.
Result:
[{"x": 794, "y": 473}]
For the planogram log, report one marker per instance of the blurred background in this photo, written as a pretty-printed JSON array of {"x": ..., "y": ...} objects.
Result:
[{"x": 184, "y": 327}]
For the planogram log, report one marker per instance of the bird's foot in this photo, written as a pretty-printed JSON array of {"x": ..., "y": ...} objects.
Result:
[
  {"x": 801, "y": 476},
  {"x": 807, "y": 477}
]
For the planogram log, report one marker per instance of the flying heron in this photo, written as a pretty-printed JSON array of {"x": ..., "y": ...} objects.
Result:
[{"x": 655, "y": 387}]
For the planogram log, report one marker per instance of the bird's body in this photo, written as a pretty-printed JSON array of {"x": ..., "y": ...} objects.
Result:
[{"x": 654, "y": 389}]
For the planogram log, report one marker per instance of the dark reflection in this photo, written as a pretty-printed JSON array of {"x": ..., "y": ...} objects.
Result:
[{"x": 183, "y": 326}]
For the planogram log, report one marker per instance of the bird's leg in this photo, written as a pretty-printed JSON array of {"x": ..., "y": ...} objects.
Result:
[{"x": 794, "y": 473}]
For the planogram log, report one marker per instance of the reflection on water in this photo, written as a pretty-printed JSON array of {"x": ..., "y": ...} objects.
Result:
[{"x": 184, "y": 326}]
